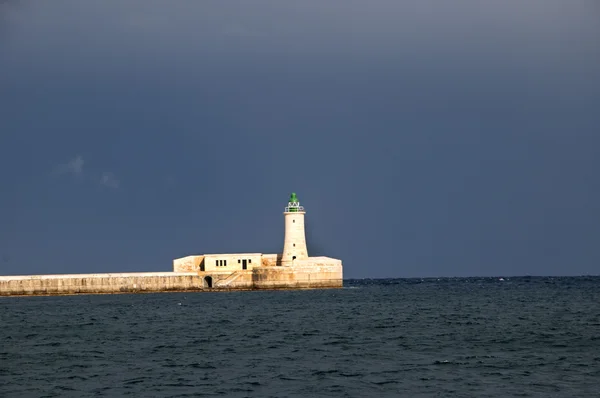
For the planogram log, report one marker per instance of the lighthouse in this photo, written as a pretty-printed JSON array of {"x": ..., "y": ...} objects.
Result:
[{"x": 294, "y": 243}]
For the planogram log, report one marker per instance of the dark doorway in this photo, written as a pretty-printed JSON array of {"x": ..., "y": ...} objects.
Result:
[
  {"x": 208, "y": 281},
  {"x": 244, "y": 264}
]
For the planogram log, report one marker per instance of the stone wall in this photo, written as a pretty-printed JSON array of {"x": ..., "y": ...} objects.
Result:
[
  {"x": 231, "y": 262},
  {"x": 238, "y": 280},
  {"x": 271, "y": 260},
  {"x": 136, "y": 282},
  {"x": 187, "y": 264},
  {"x": 313, "y": 272}
]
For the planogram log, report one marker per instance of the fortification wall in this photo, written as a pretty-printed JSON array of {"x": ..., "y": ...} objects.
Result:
[
  {"x": 241, "y": 279},
  {"x": 313, "y": 272},
  {"x": 321, "y": 272},
  {"x": 100, "y": 283}
]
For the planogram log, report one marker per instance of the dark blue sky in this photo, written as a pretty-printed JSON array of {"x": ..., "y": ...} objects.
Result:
[{"x": 423, "y": 138}]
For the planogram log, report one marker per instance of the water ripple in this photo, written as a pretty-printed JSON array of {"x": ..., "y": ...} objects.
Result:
[{"x": 447, "y": 337}]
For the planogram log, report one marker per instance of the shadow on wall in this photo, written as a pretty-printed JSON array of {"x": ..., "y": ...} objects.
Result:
[{"x": 271, "y": 260}]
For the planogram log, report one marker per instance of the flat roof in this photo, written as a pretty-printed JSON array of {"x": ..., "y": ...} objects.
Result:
[{"x": 232, "y": 254}]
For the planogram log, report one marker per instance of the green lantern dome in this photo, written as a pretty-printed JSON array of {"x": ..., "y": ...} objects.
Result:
[{"x": 294, "y": 204}]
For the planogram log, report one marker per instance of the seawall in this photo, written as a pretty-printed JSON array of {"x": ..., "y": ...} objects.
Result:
[
  {"x": 135, "y": 282},
  {"x": 301, "y": 277},
  {"x": 310, "y": 276}
]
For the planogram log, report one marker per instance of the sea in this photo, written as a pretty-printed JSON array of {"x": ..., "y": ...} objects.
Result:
[{"x": 446, "y": 337}]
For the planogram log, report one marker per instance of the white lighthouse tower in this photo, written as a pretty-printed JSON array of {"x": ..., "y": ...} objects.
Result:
[{"x": 294, "y": 243}]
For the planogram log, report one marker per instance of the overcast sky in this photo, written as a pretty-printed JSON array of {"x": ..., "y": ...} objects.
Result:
[{"x": 424, "y": 138}]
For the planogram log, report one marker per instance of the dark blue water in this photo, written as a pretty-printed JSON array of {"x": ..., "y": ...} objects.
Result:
[{"x": 449, "y": 337}]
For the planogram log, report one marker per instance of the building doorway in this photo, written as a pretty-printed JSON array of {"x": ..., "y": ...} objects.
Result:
[
  {"x": 208, "y": 281},
  {"x": 244, "y": 264}
]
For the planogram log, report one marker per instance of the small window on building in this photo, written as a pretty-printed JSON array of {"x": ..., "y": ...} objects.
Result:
[
  {"x": 294, "y": 245},
  {"x": 225, "y": 263},
  {"x": 239, "y": 261},
  {"x": 217, "y": 263},
  {"x": 293, "y": 220},
  {"x": 249, "y": 261}
]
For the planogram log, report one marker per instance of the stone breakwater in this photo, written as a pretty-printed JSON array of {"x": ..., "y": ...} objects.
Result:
[
  {"x": 98, "y": 283},
  {"x": 148, "y": 282}
]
